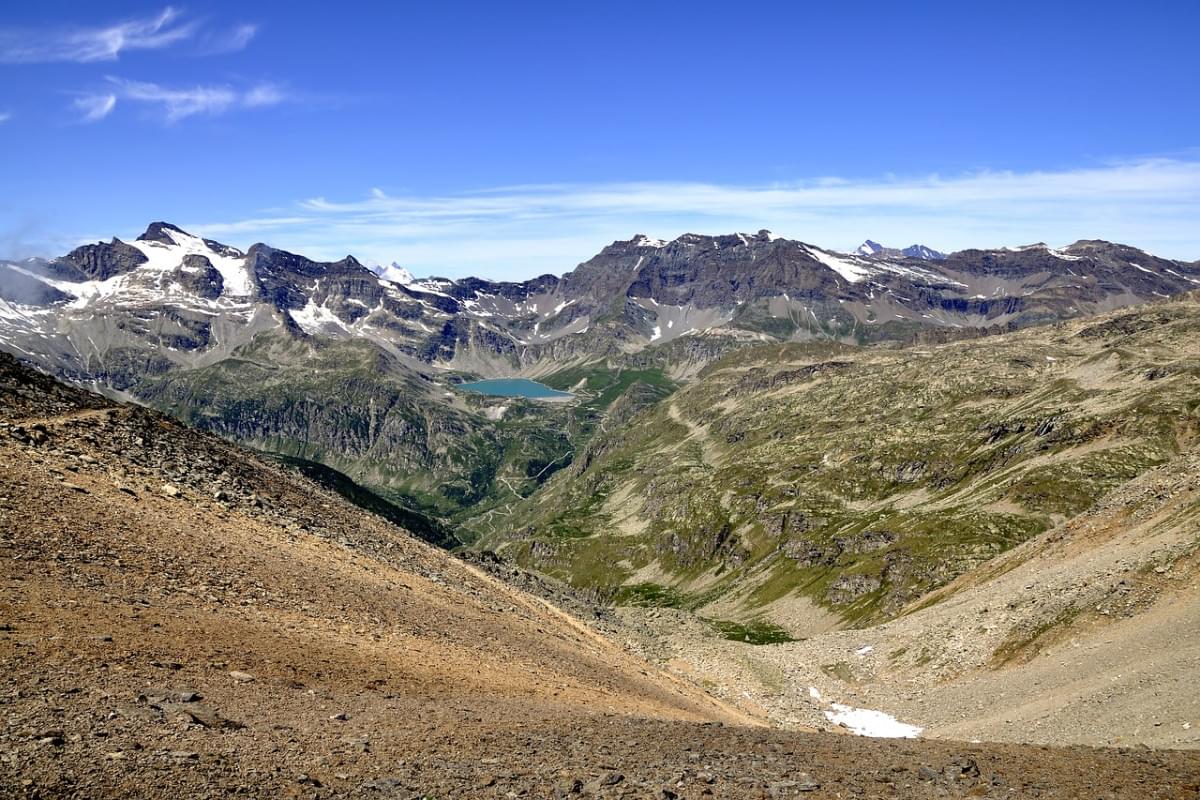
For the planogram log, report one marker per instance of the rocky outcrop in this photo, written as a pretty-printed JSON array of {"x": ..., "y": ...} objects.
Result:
[
  {"x": 103, "y": 260},
  {"x": 199, "y": 276}
]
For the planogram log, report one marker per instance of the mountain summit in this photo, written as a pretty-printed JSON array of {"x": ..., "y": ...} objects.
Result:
[{"x": 871, "y": 248}]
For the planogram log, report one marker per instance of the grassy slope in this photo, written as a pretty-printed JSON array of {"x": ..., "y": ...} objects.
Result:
[
  {"x": 863, "y": 478},
  {"x": 351, "y": 407}
]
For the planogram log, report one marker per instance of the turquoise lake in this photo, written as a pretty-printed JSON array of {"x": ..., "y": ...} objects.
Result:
[{"x": 515, "y": 387}]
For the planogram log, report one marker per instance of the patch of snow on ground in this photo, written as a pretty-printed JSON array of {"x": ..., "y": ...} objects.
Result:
[
  {"x": 1063, "y": 256},
  {"x": 314, "y": 318},
  {"x": 1143, "y": 269},
  {"x": 657, "y": 333},
  {"x": 865, "y": 722}
]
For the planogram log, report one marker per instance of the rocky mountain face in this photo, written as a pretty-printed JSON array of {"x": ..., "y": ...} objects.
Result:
[
  {"x": 820, "y": 484},
  {"x": 355, "y": 366}
]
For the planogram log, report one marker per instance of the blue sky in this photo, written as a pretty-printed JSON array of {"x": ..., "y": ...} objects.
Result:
[{"x": 509, "y": 139}]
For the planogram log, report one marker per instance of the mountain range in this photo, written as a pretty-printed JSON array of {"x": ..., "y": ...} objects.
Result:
[
  {"x": 355, "y": 366},
  {"x": 764, "y": 442}
]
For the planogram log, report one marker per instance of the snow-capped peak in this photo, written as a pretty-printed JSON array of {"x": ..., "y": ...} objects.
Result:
[
  {"x": 165, "y": 247},
  {"x": 393, "y": 272},
  {"x": 871, "y": 248},
  {"x": 924, "y": 253}
]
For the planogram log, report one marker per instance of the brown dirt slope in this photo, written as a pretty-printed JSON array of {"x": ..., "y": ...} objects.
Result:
[{"x": 178, "y": 618}]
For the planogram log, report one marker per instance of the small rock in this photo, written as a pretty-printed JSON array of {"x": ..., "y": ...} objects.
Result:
[
  {"x": 569, "y": 788},
  {"x": 241, "y": 677},
  {"x": 806, "y": 784},
  {"x": 199, "y": 715},
  {"x": 156, "y": 696},
  {"x": 341, "y": 716},
  {"x": 170, "y": 490},
  {"x": 612, "y": 779}
]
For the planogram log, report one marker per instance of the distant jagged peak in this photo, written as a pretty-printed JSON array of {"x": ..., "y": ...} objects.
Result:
[
  {"x": 871, "y": 248},
  {"x": 171, "y": 235},
  {"x": 923, "y": 252},
  {"x": 392, "y": 272},
  {"x": 162, "y": 232}
]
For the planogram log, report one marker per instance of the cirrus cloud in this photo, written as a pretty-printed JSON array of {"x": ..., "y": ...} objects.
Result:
[
  {"x": 89, "y": 44},
  {"x": 98, "y": 43},
  {"x": 177, "y": 103},
  {"x": 95, "y": 107}
]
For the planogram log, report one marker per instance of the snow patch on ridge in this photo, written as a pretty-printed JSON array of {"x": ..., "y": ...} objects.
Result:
[
  {"x": 314, "y": 319},
  {"x": 850, "y": 270}
]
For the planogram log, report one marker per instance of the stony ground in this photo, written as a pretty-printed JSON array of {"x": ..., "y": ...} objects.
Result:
[{"x": 180, "y": 619}]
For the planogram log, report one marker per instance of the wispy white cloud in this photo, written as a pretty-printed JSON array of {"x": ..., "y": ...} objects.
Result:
[
  {"x": 175, "y": 103},
  {"x": 264, "y": 94},
  {"x": 519, "y": 231},
  {"x": 87, "y": 44},
  {"x": 5, "y": 116},
  {"x": 230, "y": 41},
  {"x": 95, "y": 107},
  {"x": 99, "y": 43}
]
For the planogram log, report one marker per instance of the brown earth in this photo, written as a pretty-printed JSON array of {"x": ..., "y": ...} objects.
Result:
[{"x": 178, "y": 618}]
